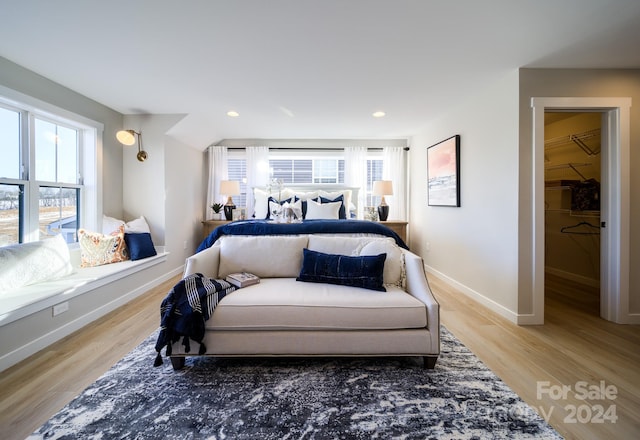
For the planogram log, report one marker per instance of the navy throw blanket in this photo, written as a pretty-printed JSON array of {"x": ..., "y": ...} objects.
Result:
[{"x": 185, "y": 309}]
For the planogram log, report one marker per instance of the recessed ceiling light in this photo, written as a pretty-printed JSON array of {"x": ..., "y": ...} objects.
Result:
[
  {"x": 233, "y": 113},
  {"x": 378, "y": 114}
]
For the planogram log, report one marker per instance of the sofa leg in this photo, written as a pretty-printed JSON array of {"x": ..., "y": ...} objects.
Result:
[
  {"x": 177, "y": 362},
  {"x": 429, "y": 362}
]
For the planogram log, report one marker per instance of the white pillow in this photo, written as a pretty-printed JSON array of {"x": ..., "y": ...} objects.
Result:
[
  {"x": 307, "y": 195},
  {"x": 137, "y": 226},
  {"x": 275, "y": 207},
  {"x": 394, "y": 263},
  {"x": 111, "y": 225},
  {"x": 260, "y": 204},
  {"x": 35, "y": 262},
  {"x": 346, "y": 197},
  {"x": 328, "y": 211},
  {"x": 261, "y": 201}
]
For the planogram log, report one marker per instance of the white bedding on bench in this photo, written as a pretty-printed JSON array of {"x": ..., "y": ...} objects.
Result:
[{"x": 18, "y": 303}]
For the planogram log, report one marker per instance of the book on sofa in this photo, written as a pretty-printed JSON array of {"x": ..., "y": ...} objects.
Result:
[{"x": 242, "y": 279}]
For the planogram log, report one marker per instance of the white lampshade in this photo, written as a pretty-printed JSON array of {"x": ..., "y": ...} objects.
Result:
[
  {"x": 382, "y": 188},
  {"x": 126, "y": 137},
  {"x": 229, "y": 187}
]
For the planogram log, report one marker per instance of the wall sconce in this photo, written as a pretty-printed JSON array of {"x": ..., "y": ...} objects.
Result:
[
  {"x": 128, "y": 137},
  {"x": 229, "y": 188},
  {"x": 383, "y": 188}
]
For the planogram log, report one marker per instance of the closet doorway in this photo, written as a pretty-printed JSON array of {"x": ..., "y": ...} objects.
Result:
[
  {"x": 614, "y": 203},
  {"x": 572, "y": 177}
]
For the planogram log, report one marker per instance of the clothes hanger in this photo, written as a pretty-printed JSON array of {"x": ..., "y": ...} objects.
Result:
[{"x": 566, "y": 229}]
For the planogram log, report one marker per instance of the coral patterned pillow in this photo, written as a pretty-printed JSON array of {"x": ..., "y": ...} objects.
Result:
[{"x": 98, "y": 249}]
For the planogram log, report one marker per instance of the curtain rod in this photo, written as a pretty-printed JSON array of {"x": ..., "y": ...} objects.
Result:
[{"x": 309, "y": 149}]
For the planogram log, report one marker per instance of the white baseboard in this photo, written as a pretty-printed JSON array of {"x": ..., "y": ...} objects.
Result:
[
  {"x": 572, "y": 277},
  {"x": 20, "y": 354},
  {"x": 476, "y": 296}
]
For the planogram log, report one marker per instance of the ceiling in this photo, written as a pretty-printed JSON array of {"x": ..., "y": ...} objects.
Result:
[{"x": 306, "y": 69}]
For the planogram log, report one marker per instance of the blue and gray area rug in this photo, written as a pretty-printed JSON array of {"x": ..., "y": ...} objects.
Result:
[{"x": 364, "y": 398}]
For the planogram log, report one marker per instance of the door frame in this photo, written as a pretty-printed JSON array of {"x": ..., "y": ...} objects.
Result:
[{"x": 615, "y": 202}]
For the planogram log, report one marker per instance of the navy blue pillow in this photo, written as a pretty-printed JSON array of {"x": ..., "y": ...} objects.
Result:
[
  {"x": 365, "y": 271},
  {"x": 140, "y": 245},
  {"x": 342, "y": 213}
]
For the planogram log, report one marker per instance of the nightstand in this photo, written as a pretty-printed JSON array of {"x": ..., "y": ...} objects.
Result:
[
  {"x": 210, "y": 225},
  {"x": 397, "y": 226}
]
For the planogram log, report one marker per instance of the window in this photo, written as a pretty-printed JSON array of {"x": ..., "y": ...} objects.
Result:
[
  {"x": 374, "y": 172},
  {"x": 312, "y": 166},
  {"x": 237, "y": 170},
  {"x": 41, "y": 179}
]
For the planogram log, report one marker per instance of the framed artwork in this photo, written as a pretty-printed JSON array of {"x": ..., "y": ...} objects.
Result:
[{"x": 443, "y": 173}]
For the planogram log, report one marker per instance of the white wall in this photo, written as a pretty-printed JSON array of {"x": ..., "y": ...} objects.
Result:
[
  {"x": 185, "y": 199},
  {"x": 474, "y": 247},
  {"x": 167, "y": 188}
]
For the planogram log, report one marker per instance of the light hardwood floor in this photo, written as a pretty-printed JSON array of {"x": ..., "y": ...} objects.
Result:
[{"x": 574, "y": 345}]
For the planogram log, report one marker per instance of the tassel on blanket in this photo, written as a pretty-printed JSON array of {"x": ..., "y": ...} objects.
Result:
[
  {"x": 158, "y": 360},
  {"x": 187, "y": 344},
  {"x": 203, "y": 349}
]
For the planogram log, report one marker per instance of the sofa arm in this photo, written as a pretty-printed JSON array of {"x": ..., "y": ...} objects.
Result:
[
  {"x": 418, "y": 286},
  {"x": 205, "y": 262}
]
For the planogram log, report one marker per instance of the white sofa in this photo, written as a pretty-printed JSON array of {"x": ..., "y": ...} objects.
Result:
[{"x": 284, "y": 317}]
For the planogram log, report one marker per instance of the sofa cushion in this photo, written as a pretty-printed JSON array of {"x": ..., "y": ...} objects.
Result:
[
  {"x": 354, "y": 246},
  {"x": 362, "y": 271},
  {"x": 284, "y": 304},
  {"x": 393, "y": 265},
  {"x": 270, "y": 256},
  {"x": 35, "y": 262}
]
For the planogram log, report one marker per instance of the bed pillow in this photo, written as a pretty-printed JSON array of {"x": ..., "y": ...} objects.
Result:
[
  {"x": 98, "y": 249},
  {"x": 260, "y": 204},
  {"x": 139, "y": 245},
  {"x": 364, "y": 271},
  {"x": 342, "y": 213},
  {"x": 275, "y": 205},
  {"x": 317, "y": 210},
  {"x": 29, "y": 263},
  {"x": 346, "y": 193}
]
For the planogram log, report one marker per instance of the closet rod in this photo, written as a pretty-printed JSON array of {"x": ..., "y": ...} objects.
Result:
[{"x": 578, "y": 139}]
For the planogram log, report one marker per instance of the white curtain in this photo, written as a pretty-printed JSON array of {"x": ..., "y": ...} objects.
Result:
[
  {"x": 217, "y": 172},
  {"x": 394, "y": 169},
  {"x": 257, "y": 173},
  {"x": 355, "y": 174}
]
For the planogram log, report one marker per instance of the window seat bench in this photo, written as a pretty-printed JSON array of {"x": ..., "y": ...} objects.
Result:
[
  {"x": 18, "y": 303},
  {"x": 35, "y": 316}
]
